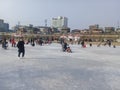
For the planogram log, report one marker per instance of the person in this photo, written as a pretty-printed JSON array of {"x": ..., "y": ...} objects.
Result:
[
  {"x": 68, "y": 50},
  {"x": 4, "y": 44},
  {"x": 40, "y": 41},
  {"x": 90, "y": 44},
  {"x": 13, "y": 42},
  {"x": 114, "y": 46},
  {"x": 109, "y": 43},
  {"x": 21, "y": 47},
  {"x": 64, "y": 46},
  {"x": 83, "y": 44}
]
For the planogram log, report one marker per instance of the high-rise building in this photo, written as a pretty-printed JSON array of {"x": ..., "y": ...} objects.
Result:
[
  {"x": 1, "y": 23},
  {"x": 4, "y": 27},
  {"x": 96, "y": 26},
  {"x": 60, "y": 22},
  {"x": 109, "y": 29}
]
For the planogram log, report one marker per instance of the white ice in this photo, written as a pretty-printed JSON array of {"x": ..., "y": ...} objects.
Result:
[{"x": 48, "y": 68}]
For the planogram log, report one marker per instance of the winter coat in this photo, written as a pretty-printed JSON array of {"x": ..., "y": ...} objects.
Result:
[{"x": 20, "y": 46}]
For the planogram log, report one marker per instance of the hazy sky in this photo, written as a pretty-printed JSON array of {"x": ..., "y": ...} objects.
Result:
[{"x": 80, "y": 13}]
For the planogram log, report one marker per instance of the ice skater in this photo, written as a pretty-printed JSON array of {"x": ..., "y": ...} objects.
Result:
[
  {"x": 21, "y": 47},
  {"x": 4, "y": 44},
  {"x": 64, "y": 46}
]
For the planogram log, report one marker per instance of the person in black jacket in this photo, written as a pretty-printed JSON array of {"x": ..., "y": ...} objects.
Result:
[{"x": 21, "y": 48}]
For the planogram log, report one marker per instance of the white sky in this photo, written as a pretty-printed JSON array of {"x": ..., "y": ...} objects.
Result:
[{"x": 81, "y": 13}]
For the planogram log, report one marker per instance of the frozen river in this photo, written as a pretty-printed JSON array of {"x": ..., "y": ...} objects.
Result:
[{"x": 48, "y": 68}]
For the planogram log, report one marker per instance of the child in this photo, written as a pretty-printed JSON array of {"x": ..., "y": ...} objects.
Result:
[{"x": 68, "y": 50}]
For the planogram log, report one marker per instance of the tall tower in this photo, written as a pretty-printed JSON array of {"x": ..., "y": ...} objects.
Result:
[
  {"x": 45, "y": 22},
  {"x": 18, "y": 23},
  {"x": 117, "y": 24}
]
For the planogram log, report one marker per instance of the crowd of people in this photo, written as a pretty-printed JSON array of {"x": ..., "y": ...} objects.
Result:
[
  {"x": 64, "y": 44},
  {"x": 20, "y": 44}
]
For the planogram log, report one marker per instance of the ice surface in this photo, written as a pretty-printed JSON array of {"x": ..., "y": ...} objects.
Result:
[{"x": 48, "y": 68}]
